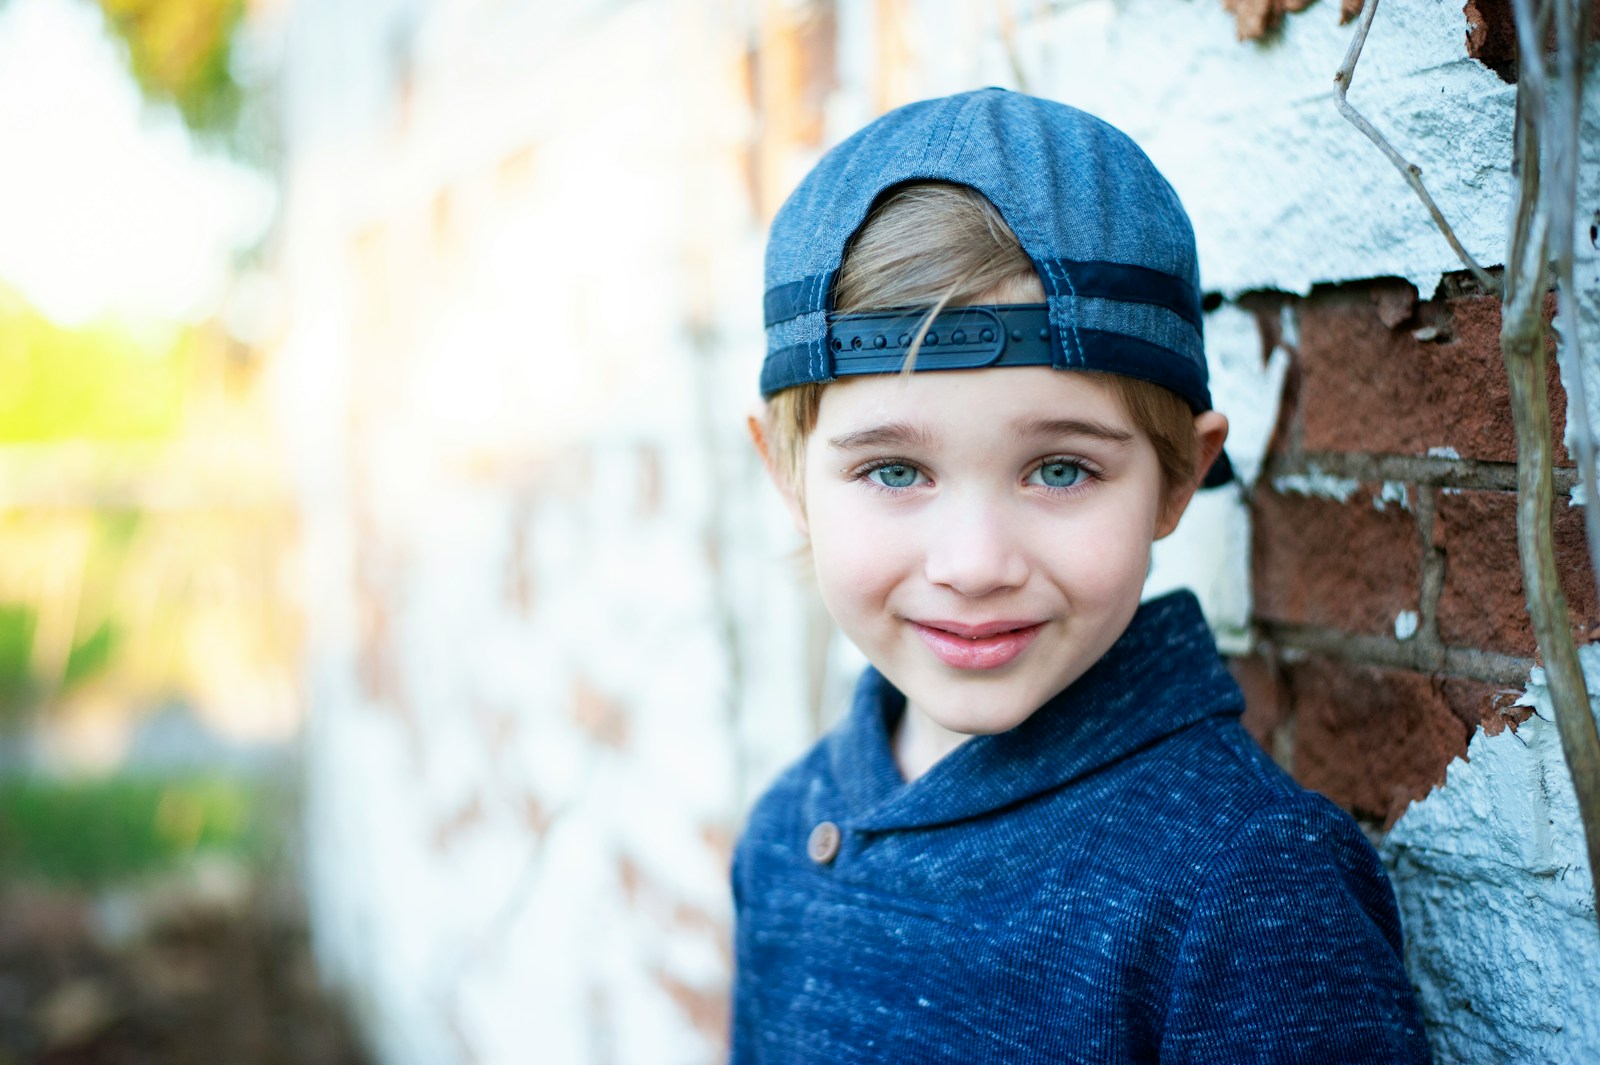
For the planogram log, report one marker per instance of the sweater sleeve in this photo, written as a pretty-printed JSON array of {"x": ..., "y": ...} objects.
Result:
[{"x": 1292, "y": 952}]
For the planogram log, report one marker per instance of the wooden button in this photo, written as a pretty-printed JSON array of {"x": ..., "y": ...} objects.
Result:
[{"x": 823, "y": 845}]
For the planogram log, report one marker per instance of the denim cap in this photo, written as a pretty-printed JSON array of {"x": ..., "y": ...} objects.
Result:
[{"x": 1106, "y": 234}]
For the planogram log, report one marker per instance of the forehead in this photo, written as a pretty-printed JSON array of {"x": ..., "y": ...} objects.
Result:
[{"x": 969, "y": 402}]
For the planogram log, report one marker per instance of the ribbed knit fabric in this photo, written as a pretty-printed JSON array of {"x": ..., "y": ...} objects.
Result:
[{"x": 1123, "y": 877}]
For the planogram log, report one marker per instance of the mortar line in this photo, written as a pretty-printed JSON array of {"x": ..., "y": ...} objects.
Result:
[
  {"x": 1470, "y": 663},
  {"x": 1415, "y": 469},
  {"x": 1433, "y": 561}
]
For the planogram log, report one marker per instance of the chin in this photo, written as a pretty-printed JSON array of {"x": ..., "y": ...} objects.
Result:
[{"x": 978, "y": 718}]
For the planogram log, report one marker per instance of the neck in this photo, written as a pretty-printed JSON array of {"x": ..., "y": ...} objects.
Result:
[{"x": 919, "y": 742}]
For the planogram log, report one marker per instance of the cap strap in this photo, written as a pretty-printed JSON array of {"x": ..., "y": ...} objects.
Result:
[{"x": 960, "y": 338}]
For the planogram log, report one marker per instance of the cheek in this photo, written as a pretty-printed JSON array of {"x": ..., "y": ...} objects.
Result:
[
  {"x": 860, "y": 558},
  {"x": 858, "y": 555},
  {"x": 1112, "y": 564}
]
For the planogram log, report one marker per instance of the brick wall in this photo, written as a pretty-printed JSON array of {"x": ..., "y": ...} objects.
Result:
[{"x": 1388, "y": 595}]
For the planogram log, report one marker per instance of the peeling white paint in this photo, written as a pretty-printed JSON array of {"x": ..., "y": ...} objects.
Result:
[
  {"x": 1316, "y": 483},
  {"x": 1494, "y": 888},
  {"x": 1210, "y": 554},
  {"x": 1243, "y": 387},
  {"x": 1443, "y": 453},
  {"x": 1392, "y": 492},
  {"x": 1289, "y": 325},
  {"x": 1405, "y": 624},
  {"x": 1210, "y": 551},
  {"x": 1280, "y": 186}
]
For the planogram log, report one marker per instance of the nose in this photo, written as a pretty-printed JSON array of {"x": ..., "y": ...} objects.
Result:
[{"x": 975, "y": 550}]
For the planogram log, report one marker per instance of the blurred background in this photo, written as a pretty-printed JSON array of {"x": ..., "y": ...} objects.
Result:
[
  {"x": 151, "y": 700},
  {"x": 395, "y": 623},
  {"x": 379, "y": 550}
]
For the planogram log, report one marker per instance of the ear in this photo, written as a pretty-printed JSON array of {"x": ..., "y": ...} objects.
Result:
[
  {"x": 756, "y": 422},
  {"x": 1210, "y": 431}
]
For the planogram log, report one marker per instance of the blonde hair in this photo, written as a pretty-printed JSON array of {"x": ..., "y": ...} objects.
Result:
[{"x": 936, "y": 244}]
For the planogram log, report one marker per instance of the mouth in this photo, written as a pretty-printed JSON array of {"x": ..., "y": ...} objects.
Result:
[{"x": 977, "y": 647}]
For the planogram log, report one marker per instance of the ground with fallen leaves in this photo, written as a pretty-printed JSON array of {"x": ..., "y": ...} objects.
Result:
[{"x": 200, "y": 968}]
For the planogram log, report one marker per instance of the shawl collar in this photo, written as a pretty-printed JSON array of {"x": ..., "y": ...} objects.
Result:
[{"x": 1162, "y": 675}]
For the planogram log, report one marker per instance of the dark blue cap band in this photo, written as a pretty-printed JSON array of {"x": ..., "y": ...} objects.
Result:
[{"x": 971, "y": 337}]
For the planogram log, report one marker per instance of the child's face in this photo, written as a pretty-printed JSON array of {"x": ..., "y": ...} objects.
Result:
[{"x": 981, "y": 535}]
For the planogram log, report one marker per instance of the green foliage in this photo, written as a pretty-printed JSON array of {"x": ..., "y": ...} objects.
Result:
[
  {"x": 90, "y": 655},
  {"x": 91, "y": 833},
  {"x": 101, "y": 382},
  {"x": 181, "y": 51},
  {"x": 16, "y": 673}
]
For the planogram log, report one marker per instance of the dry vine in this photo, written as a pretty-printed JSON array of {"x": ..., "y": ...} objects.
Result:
[
  {"x": 1409, "y": 170},
  {"x": 1544, "y": 169}
]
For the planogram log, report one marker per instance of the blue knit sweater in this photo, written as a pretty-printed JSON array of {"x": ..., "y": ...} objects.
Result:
[{"x": 1123, "y": 877}]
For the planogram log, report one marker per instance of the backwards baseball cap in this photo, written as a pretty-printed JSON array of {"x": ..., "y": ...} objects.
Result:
[{"x": 1106, "y": 234}]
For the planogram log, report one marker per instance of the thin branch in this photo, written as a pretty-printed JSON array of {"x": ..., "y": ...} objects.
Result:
[
  {"x": 1409, "y": 170},
  {"x": 1561, "y": 205},
  {"x": 1533, "y": 28},
  {"x": 1543, "y": 199}
]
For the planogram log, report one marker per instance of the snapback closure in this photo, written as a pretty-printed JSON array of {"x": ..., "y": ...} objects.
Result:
[{"x": 959, "y": 338}]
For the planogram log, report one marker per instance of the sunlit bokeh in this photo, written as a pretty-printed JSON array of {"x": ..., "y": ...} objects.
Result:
[{"x": 150, "y": 698}]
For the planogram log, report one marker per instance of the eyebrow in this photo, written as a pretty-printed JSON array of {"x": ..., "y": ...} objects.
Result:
[
  {"x": 1047, "y": 427},
  {"x": 893, "y": 434}
]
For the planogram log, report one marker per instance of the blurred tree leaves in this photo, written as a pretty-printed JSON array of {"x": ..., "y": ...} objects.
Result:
[
  {"x": 180, "y": 51},
  {"x": 17, "y": 685},
  {"x": 99, "y": 382}
]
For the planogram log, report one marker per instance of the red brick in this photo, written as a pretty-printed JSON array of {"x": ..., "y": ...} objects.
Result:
[
  {"x": 1254, "y": 19},
  {"x": 1266, "y": 700},
  {"x": 1373, "y": 740},
  {"x": 1266, "y": 703},
  {"x": 1367, "y": 387},
  {"x": 1492, "y": 34},
  {"x": 1478, "y": 702},
  {"x": 1482, "y": 603},
  {"x": 1340, "y": 565}
]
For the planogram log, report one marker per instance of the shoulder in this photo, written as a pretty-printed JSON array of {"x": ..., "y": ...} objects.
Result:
[
  {"x": 1292, "y": 941},
  {"x": 1299, "y": 835},
  {"x": 1300, "y": 858},
  {"x": 1193, "y": 798},
  {"x": 1245, "y": 830}
]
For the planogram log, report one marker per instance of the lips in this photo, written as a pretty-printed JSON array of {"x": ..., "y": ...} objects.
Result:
[{"x": 989, "y": 645}]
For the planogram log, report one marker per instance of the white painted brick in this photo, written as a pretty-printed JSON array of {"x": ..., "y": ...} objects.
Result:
[{"x": 525, "y": 364}]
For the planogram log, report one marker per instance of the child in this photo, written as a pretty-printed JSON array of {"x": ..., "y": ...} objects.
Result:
[{"x": 1040, "y": 835}]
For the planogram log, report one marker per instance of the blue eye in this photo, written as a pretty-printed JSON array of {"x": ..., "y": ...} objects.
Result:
[
  {"x": 895, "y": 475},
  {"x": 1058, "y": 473}
]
